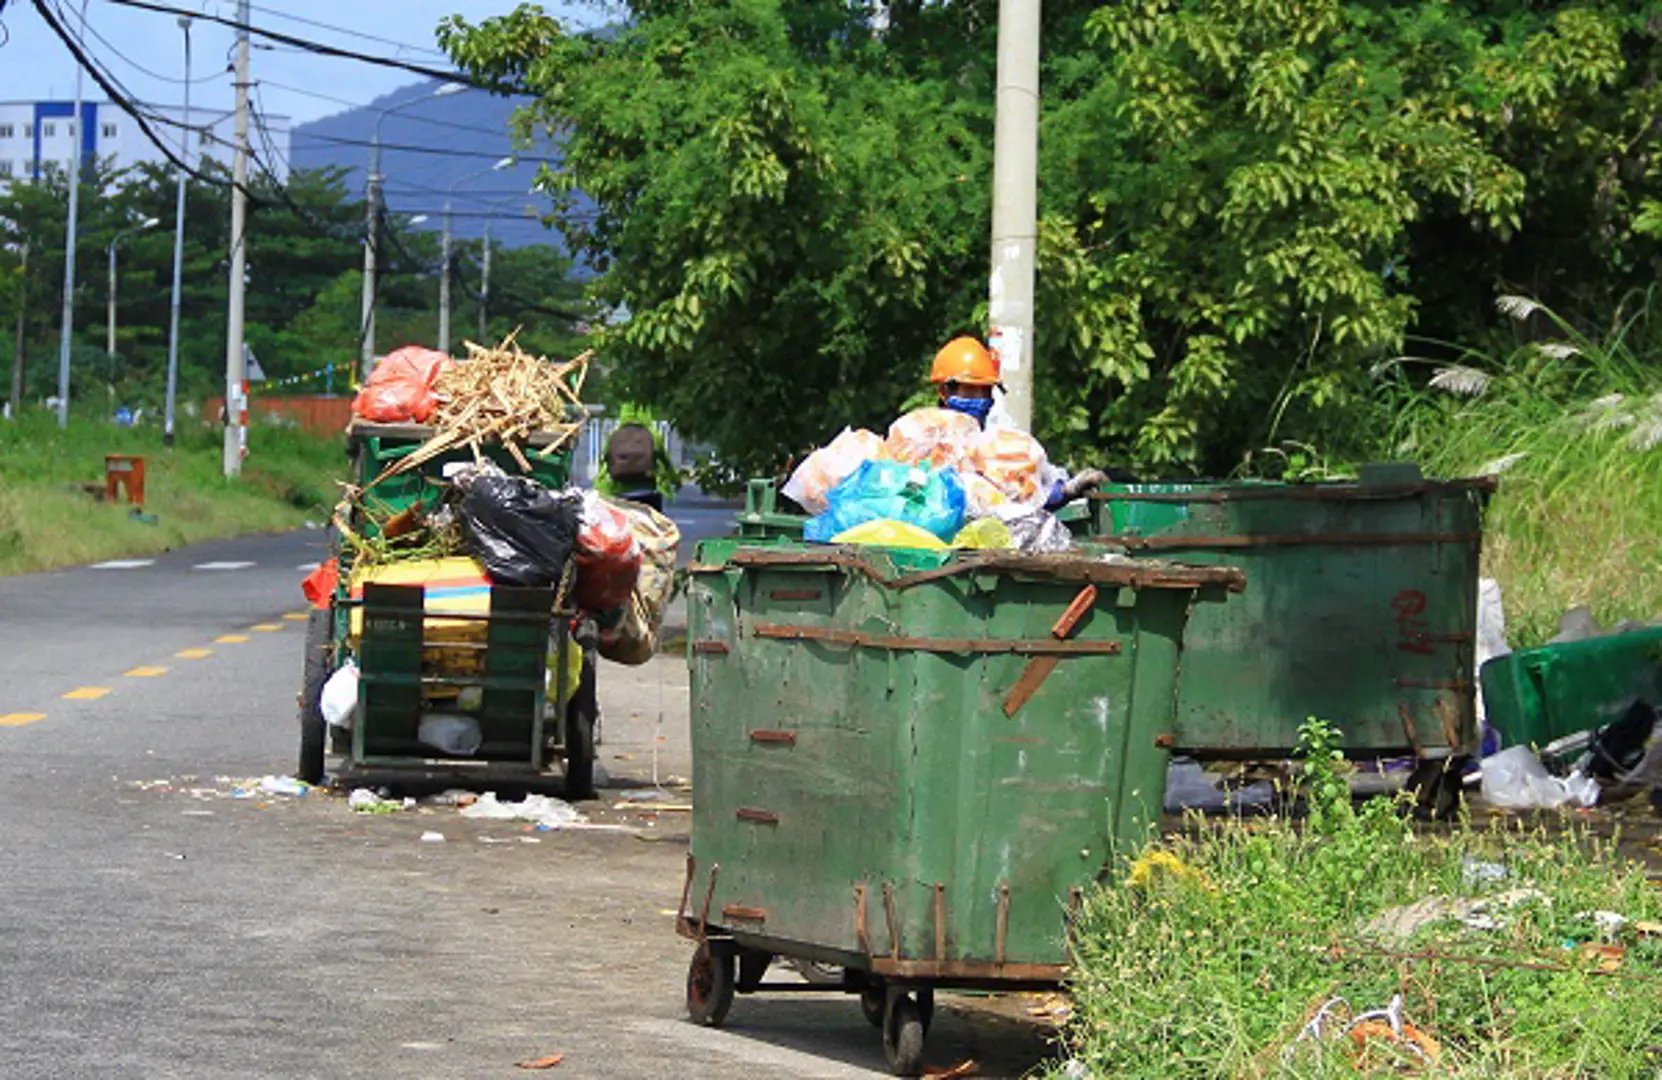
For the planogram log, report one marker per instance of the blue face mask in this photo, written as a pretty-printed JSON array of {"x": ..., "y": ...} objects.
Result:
[{"x": 970, "y": 406}]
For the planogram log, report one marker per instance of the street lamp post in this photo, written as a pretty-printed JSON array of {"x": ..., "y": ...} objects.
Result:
[
  {"x": 372, "y": 237},
  {"x": 147, "y": 223},
  {"x": 77, "y": 138},
  {"x": 178, "y": 258},
  {"x": 444, "y": 267}
]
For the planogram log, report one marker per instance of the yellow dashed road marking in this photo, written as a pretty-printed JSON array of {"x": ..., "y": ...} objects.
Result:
[
  {"x": 194, "y": 654},
  {"x": 18, "y": 719},
  {"x": 87, "y": 693},
  {"x": 232, "y": 639},
  {"x": 298, "y": 616},
  {"x": 146, "y": 672},
  {"x": 266, "y": 627}
]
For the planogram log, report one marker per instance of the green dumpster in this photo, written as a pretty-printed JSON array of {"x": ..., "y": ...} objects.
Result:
[
  {"x": 1535, "y": 696},
  {"x": 913, "y": 763},
  {"x": 1362, "y": 610}
]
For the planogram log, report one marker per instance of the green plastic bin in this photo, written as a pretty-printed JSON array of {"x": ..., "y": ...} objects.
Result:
[
  {"x": 899, "y": 767},
  {"x": 1362, "y": 609},
  {"x": 1534, "y": 696}
]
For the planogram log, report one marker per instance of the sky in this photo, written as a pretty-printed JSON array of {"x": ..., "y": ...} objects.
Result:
[{"x": 34, "y": 64}]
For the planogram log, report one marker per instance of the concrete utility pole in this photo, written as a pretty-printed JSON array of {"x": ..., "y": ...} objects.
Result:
[
  {"x": 17, "y": 354},
  {"x": 109, "y": 340},
  {"x": 372, "y": 242},
  {"x": 78, "y": 138},
  {"x": 236, "y": 372},
  {"x": 1015, "y": 204},
  {"x": 178, "y": 259},
  {"x": 485, "y": 289},
  {"x": 444, "y": 267}
]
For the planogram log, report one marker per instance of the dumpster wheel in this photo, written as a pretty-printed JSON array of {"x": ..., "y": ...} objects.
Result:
[
  {"x": 313, "y": 730},
  {"x": 710, "y": 984},
  {"x": 904, "y": 1027},
  {"x": 872, "y": 1000}
]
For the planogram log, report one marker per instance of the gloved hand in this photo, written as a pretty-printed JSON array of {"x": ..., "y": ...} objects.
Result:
[{"x": 1083, "y": 481}]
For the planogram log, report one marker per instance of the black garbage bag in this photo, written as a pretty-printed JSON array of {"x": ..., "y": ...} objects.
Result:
[
  {"x": 1619, "y": 748},
  {"x": 523, "y": 532}
]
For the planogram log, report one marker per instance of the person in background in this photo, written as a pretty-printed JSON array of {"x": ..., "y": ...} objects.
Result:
[
  {"x": 632, "y": 462},
  {"x": 965, "y": 374}
]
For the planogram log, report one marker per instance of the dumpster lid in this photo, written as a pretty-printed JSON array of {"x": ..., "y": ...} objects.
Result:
[
  {"x": 1383, "y": 486},
  {"x": 1113, "y": 569}
]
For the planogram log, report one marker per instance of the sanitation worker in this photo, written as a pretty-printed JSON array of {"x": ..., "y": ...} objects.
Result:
[{"x": 965, "y": 374}]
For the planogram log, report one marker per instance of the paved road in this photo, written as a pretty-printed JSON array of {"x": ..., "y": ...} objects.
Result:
[{"x": 152, "y": 925}]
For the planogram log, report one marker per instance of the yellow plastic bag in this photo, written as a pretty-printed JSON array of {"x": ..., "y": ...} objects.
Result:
[
  {"x": 888, "y": 532},
  {"x": 985, "y": 534},
  {"x": 574, "y": 671}
]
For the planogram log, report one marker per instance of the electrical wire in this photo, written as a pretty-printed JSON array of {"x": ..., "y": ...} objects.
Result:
[
  {"x": 317, "y": 47},
  {"x": 278, "y": 13},
  {"x": 439, "y": 151},
  {"x": 402, "y": 116},
  {"x": 108, "y": 44}
]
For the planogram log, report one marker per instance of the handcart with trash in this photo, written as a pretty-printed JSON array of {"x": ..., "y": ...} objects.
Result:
[{"x": 455, "y": 627}]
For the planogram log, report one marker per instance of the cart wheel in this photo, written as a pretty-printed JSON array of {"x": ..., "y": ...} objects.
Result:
[
  {"x": 753, "y": 967},
  {"x": 580, "y": 719},
  {"x": 314, "y": 730},
  {"x": 710, "y": 985},
  {"x": 903, "y": 1032},
  {"x": 872, "y": 999}
]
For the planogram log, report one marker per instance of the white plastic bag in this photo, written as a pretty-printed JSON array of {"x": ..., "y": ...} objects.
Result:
[
  {"x": 1515, "y": 779},
  {"x": 829, "y": 466},
  {"x": 340, "y": 696},
  {"x": 542, "y": 809},
  {"x": 451, "y": 733}
]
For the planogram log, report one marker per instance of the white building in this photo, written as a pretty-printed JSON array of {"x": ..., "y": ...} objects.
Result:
[{"x": 40, "y": 135}]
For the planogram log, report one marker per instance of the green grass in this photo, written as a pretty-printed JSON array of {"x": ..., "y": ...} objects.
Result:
[
  {"x": 1233, "y": 937},
  {"x": 1575, "y": 419},
  {"x": 46, "y": 521}
]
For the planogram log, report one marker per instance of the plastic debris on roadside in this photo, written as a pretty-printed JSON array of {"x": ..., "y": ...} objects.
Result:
[
  {"x": 608, "y": 556},
  {"x": 544, "y": 810},
  {"x": 932, "y": 499},
  {"x": 634, "y": 640},
  {"x": 365, "y": 801},
  {"x": 452, "y": 733},
  {"x": 986, "y": 534},
  {"x": 400, "y": 388},
  {"x": 339, "y": 700},
  {"x": 1189, "y": 788},
  {"x": 829, "y": 466},
  {"x": 431, "y": 837},
  {"x": 939, "y": 437},
  {"x": 284, "y": 785},
  {"x": 889, "y": 533},
  {"x": 1515, "y": 779},
  {"x": 522, "y": 532}
]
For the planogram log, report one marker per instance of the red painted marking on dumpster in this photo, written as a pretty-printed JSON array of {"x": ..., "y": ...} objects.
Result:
[{"x": 1413, "y": 632}]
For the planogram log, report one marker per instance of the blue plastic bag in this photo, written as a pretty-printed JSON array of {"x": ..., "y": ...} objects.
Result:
[{"x": 932, "y": 499}]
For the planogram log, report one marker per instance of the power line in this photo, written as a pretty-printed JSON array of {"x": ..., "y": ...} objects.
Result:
[
  {"x": 108, "y": 44},
  {"x": 350, "y": 33},
  {"x": 310, "y": 46},
  {"x": 439, "y": 151},
  {"x": 402, "y": 116}
]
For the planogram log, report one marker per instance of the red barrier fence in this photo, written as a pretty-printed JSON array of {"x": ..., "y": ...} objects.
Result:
[{"x": 314, "y": 412}]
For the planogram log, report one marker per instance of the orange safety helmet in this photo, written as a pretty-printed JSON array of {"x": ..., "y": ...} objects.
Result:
[{"x": 965, "y": 360}]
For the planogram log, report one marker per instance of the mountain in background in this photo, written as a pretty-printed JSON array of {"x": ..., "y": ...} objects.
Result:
[{"x": 466, "y": 132}]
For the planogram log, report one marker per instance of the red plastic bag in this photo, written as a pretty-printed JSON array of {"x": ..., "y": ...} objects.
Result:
[
  {"x": 608, "y": 556},
  {"x": 319, "y": 585},
  {"x": 400, "y": 389}
]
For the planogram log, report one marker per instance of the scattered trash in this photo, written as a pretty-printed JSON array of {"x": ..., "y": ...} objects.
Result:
[
  {"x": 1515, "y": 779},
  {"x": 452, "y": 797},
  {"x": 451, "y": 733},
  {"x": 1610, "y": 923},
  {"x": 1476, "y": 872},
  {"x": 432, "y": 838},
  {"x": 542, "y": 1063},
  {"x": 647, "y": 795},
  {"x": 1384, "y": 1025},
  {"x": 179, "y": 855},
  {"x": 963, "y": 1068},
  {"x": 1188, "y": 787},
  {"x": 1605, "y": 959},
  {"x": 365, "y": 801},
  {"x": 1483, "y": 914},
  {"x": 284, "y": 785},
  {"x": 1576, "y": 624},
  {"x": 1074, "y": 1069},
  {"x": 545, "y": 811},
  {"x": 340, "y": 696}
]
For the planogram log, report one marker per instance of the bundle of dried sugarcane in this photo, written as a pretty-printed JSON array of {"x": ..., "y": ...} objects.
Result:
[{"x": 505, "y": 395}]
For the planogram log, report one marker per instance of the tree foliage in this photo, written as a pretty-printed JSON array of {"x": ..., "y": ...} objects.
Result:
[{"x": 1246, "y": 205}]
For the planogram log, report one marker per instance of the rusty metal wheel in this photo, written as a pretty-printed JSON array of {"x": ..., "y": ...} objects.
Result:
[{"x": 710, "y": 985}]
